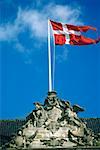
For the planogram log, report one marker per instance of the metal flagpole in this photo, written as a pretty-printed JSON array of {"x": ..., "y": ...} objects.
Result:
[
  {"x": 53, "y": 62},
  {"x": 49, "y": 59}
]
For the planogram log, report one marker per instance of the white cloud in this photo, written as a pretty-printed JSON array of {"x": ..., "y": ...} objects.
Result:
[
  {"x": 24, "y": 52},
  {"x": 64, "y": 13},
  {"x": 62, "y": 56},
  {"x": 36, "y": 22},
  {"x": 20, "y": 47},
  {"x": 8, "y": 32}
]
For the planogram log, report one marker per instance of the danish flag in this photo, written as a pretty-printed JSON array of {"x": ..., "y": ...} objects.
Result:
[{"x": 71, "y": 34}]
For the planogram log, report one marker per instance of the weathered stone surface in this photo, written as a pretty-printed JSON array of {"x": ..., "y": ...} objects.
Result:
[{"x": 54, "y": 124}]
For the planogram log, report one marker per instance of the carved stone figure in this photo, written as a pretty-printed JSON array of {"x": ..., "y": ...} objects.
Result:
[
  {"x": 51, "y": 101},
  {"x": 54, "y": 124},
  {"x": 40, "y": 115},
  {"x": 77, "y": 108}
]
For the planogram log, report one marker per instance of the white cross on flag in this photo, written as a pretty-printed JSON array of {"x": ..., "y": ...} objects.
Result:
[{"x": 70, "y": 34}]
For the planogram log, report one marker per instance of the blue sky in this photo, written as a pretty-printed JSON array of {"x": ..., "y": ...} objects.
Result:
[{"x": 23, "y": 55}]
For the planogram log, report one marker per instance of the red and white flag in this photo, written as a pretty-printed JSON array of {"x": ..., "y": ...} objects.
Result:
[{"x": 70, "y": 34}]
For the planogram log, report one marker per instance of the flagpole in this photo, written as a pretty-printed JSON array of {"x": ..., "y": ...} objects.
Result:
[
  {"x": 49, "y": 58},
  {"x": 53, "y": 62}
]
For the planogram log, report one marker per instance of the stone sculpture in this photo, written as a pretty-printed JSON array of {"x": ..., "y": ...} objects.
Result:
[{"x": 54, "y": 124}]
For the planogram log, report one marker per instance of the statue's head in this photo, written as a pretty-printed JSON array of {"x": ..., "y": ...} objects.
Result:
[
  {"x": 37, "y": 105},
  {"x": 19, "y": 132},
  {"x": 52, "y": 94}
]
